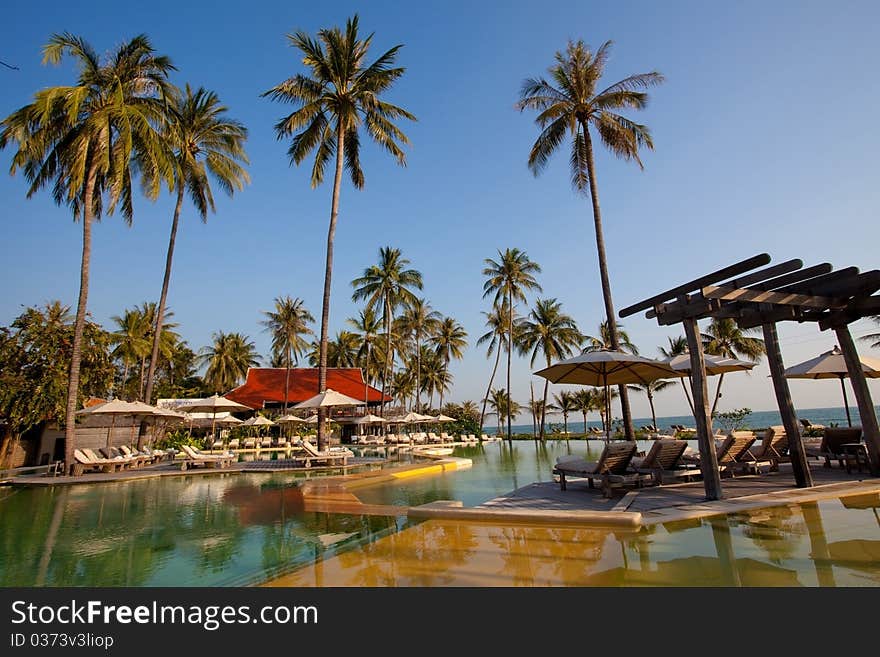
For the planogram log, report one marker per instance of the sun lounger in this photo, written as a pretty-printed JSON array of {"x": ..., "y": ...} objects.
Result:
[
  {"x": 195, "y": 457},
  {"x": 266, "y": 442},
  {"x": 433, "y": 438},
  {"x": 772, "y": 450},
  {"x": 144, "y": 457},
  {"x": 664, "y": 461},
  {"x": 85, "y": 463},
  {"x": 612, "y": 468},
  {"x": 112, "y": 454},
  {"x": 732, "y": 453},
  {"x": 835, "y": 446},
  {"x": 250, "y": 443},
  {"x": 331, "y": 456},
  {"x": 809, "y": 425},
  {"x": 217, "y": 444},
  {"x": 234, "y": 443}
]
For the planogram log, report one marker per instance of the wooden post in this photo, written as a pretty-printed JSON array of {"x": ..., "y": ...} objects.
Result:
[
  {"x": 724, "y": 549},
  {"x": 863, "y": 395},
  {"x": 802, "y": 475},
  {"x": 708, "y": 453},
  {"x": 818, "y": 544}
]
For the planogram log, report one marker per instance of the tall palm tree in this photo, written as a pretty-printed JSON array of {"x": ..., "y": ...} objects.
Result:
[
  {"x": 550, "y": 332},
  {"x": 289, "y": 324},
  {"x": 367, "y": 326},
  {"x": 724, "y": 338},
  {"x": 205, "y": 145},
  {"x": 387, "y": 285},
  {"x": 650, "y": 389},
  {"x": 131, "y": 340},
  {"x": 572, "y": 102},
  {"x": 419, "y": 320},
  {"x": 604, "y": 340},
  {"x": 228, "y": 359},
  {"x": 81, "y": 139},
  {"x": 402, "y": 386},
  {"x": 873, "y": 338},
  {"x": 341, "y": 351},
  {"x": 435, "y": 375},
  {"x": 166, "y": 340},
  {"x": 503, "y": 406},
  {"x": 341, "y": 97},
  {"x": 496, "y": 337},
  {"x": 509, "y": 278},
  {"x": 585, "y": 402},
  {"x": 450, "y": 341},
  {"x": 566, "y": 402},
  {"x": 677, "y": 347}
]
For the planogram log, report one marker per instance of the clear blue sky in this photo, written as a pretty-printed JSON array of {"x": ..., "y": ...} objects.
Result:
[{"x": 764, "y": 136}]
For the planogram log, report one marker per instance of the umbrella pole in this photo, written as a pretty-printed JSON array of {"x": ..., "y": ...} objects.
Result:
[
  {"x": 845, "y": 402},
  {"x": 607, "y": 410}
]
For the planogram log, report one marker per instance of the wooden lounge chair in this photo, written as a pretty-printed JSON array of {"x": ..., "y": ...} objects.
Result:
[
  {"x": 234, "y": 443},
  {"x": 217, "y": 444},
  {"x": 250, "y": 443},
  {"x": 147, "y": 459},
  {"x": 809, "y": 425},
  {"x": 732, "y": 453},
  {"x": 85, "y": 463},
  {"x": 664, "y": 461},
  {"x": 331, "y": 456},
  {"x": 266, "y": 442},
  {"x": 772, "y": 450},
  {"x": 832, "y": 446},
  {"x": 110, "y": 454},
  {"x": 611, "y": 469},
  {"x": 195, "y": 457}
]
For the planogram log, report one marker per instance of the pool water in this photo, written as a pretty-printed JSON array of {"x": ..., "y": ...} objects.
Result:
[{"x": 240, "y": 529}]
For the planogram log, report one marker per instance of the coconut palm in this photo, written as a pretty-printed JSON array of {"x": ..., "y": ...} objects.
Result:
[
  {"x": 228, "y": 360},
  {"x": 604, "y": 340},
  {"x": 435, "y": 375},
  {"x": 650, "y": 389},
  {"x": 724, "y": 338},
  {"x": 206, "y": 144},
  {"x": 586, "y": 401},
  {"x": 419, "y": 320},
  {"x": 496, "y": 337},
  {"x": 503, "y": 407},
  {"x": 402, "y": 386},
  {"x": 873, "y": 338},
  {"x": 289, "y": 324},
  {"x": 167, "y": 339},
  {"x": 342, "y": 351},
  {"x": 83, "y": 140},
  {"x": 677, "y": 347},
  {"x": 131, "y": 340},
  {"x": 550, "y": 332},
  {"x": 566, "y": 402},
  {"x": 368, "y": 326},
  {"x": 341, "y": 97},
  {"x": 572, "y": 102},
  {"x": 509, "y": 279},
  {"x": 450, "y": 341},
  {"x": 387, "y": 285}
]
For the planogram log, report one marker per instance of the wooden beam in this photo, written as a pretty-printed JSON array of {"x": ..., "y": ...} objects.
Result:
[
  {"x": 820, "y": 284},
  {"x": 786, "y": 408},
  {"x": 777, "y": 298},
  {"x": 796, "y": 277},
  {"x": 753, "y": 318},
  {"x": 867, "y": 413},
  {"x": 733, "y": 270},
  {"x": 767, "y": 273},
  {"x": 678, "y": 312},
  {"x": 708, "y": 453}
]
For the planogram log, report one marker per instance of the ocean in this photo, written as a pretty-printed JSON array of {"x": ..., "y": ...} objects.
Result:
[{"x": 757, "y": 420}]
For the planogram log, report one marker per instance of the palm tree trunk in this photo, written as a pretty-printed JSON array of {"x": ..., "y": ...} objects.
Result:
[
  {"x": 160, "y": 310},
  {"x": 387, "y": 352},
  {"x": 286, "y": 380},
  {"x": 717, "y": 394},
  {"x": 653, "y": 414},
  {"x": 687, "y": 394},
  {"x": 544, "y": 404},
  {"x": 603, "y": 275},
  {"x": 489, "y": 389},
  {"x": 509, "y": 352},
  {"x": 565, "y": 424},
  {"x": 328, "y": 273},
  {"x": 80, "y": 321},
  {"x": 367, "y": 379},
  {"x": 143, "y": 374},
  {"x": 585, "y": 423},
  {"x": 418, "y": 369}
]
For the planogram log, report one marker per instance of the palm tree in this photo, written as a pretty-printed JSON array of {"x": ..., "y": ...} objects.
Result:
[
  {"x": 724, "y": 338},
  {"x": 340, "y": 97},
  {"x": 572, "y": 103},
  {"x": 450, "y": 341},
  {"x": 205, "y": 144},
  {"x": 503, "y": 407},
  {"x": 509, "y": 278},
  {"x": 435, "y": 375},
  {"x": 566, "y": 402},
  {"x": 367, "y": 325},
  {"x": 228, "y": 360},
  {"x": 341, "y": 352},
  {"x": 288, "y": 323},
  {"x": 387, "y": 285},
  {"x": 604, "y": 341},
  {"x": 496, "y": 336},
  {"x": 873, "y": 338},
  {"x": 677, "y": 347},
  {"x": 166, "y": 340},
  {"x": 82, "y": 139},
  {"x": 402, "y": 386},
  {"x": 586, "y": 401},
  {"x": 131, "y": 340},
  {"x": 550, "y": 332},
  {"x": 651, "y": 388},
  {"x": 419, "y": 320}
]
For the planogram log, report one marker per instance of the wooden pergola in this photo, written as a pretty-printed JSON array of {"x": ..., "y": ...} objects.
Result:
[{"x": 754, "y": 295}]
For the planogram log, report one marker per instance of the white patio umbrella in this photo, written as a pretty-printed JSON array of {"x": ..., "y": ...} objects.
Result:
[
  {"x": 329, "y": 399},
  {"x": 118, "y": 408},
  {"x": 444, "y": 418},
  {"x": 714, "y": 365},
  {"x": 213, "y": 404},
  {"x": 258, "y": 421},
  {"x": 607, "y": 367},
  {"x": 370, "y": 419},
  {"x": 230, "y": 420},
  {"x": 832, "y": 365},
  {"x": 290, "y": 419}
]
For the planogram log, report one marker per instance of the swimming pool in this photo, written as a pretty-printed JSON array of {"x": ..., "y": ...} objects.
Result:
[{"x": 239, "y": 529}]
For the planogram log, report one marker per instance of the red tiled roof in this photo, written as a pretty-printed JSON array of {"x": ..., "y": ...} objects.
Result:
[{"x": 266, "y": 384}]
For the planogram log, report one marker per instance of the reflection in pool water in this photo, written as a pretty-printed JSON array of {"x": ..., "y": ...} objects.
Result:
[{"x": 237, "y": 529}]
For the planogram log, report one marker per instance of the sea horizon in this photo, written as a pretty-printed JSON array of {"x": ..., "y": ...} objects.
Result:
[{"x": 756, "y": 420}]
